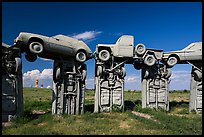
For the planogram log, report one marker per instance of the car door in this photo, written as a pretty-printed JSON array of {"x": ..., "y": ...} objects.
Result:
[
  {"x": 60, "y": 47},
  {"x": 8, "y": 95}
]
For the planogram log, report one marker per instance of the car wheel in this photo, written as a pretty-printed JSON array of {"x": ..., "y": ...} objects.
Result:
[
  {"x": 149, "y": 60},
  {"x": 84, "y": 75},
  {"x": 30, "y": 57},
  {"x": 104, "y": 55},
  {"x": 36, "y": 47},
  {"x": 172, "y": 61},
  {"x": 123, "y": 72},
  {"x": 137, "y": 65},
  {"x": 80, "y": 56},
  {"x": 140, "y": 49},
  {"x": 146, "y": 74},
  {"x": 197, "y": 75},
  {"x": 18, "y": 64},
  {"x": 99, "y": 71},
  {"x": 58, "y": 73},
  {"x": 168, "y": 74}
]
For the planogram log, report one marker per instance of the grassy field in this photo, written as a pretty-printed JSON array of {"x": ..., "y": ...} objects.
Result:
[{"x": 38, "y": 119}]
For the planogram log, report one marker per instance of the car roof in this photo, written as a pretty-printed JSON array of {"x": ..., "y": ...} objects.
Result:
[
  {"x": 65, "y": 38},
  {"x": 193, "y": 44}
]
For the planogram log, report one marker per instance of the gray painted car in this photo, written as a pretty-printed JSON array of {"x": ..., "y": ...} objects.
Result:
[
  {"x": 121, "y": 50},
  {"x": 56, "y": 47},
  {"x": 192, "y": 53}
]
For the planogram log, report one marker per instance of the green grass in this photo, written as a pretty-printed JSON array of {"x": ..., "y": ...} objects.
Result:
[{"x": 177, "y": 121}]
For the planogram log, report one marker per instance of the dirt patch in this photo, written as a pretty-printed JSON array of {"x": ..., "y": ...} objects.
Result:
[
  {"x": 42, "y": 124},
  {"x": 176, "y": 110},
  {"x": 38, "y": 112},
  {"x": 184, "y": 115},
  {"x": 6, "y": 124},
  {"x": 124, "y": 125},
  {"x": 143, "y": 115}
]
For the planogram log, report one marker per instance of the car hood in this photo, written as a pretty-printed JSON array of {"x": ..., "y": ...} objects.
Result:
[{"x": 31, "y": 34}]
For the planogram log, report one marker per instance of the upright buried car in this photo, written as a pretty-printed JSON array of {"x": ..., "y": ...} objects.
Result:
[
  {"x": 56, "y": 47},
  {"x": 192, "y": 53}
]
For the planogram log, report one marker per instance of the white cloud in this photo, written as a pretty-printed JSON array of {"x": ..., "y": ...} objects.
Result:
[
  {"x": 33, "y": 74},
  {"x": 44, "y": 77},
  {"x": 180, "y": 76},
  {"x": 90, "y": 83},
  {"x": 130, "y": 79},
  {"x": 88, "y": 35},
  {"x": 46, "y": 73},
  {"x": 48, "y": 86},
  {"x": 180, "y": 79},
  {"x": 89, "y": 80}
]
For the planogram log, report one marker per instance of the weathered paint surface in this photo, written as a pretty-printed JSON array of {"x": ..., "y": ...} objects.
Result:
[
  {"x": 195, "y": 103},
  {"x": 68, "y": 87},
  {"x": 155, "y": 91},
  {"x": 12, "y": 89}
]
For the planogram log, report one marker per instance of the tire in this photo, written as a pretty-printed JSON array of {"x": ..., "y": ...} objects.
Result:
[
  {"x": 172, "y": 61},
  {"x": 140, "y": 49},
  {"x": 36, "y": 47},
  {"x": 84, "y": 73},
  {"x": 146, "y": 74},
  {"x": 123, "y": 72},
  {"x": 18, "y": 64},
  {"x": 149, "y": 60},
  {"x": 58, "y": 73},
  {"x": 137, "y": 65},
  {"x": 81, "y": 56},
  {"x": 30, "y": 57},
  {"x": 99, "y": 71},
  {"x": 169, "y": 72},
  {"x": 197, "y": 75},
  {"x": 104, "y": 55}
]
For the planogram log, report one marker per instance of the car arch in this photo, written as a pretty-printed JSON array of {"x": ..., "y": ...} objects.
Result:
[{"x": 32, "y": 39}]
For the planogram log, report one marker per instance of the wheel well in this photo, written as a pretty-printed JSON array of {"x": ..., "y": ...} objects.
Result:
[
  {"x": 150, "y": 53},
  {"x": 174, "y": 55},
  {"x": 36, "y": 39},
  {"x": 106, "y": 48},
  {"x": 82, "y": 51}
]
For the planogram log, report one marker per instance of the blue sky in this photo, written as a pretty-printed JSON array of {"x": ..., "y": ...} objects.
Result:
[{"x": 160, "y": 25}]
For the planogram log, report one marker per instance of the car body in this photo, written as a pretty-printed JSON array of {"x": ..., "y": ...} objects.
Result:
[
  {"x": 191, "y": 53},
  {"x": 123, "y": 48},
  {"x": 4, "y": 45},
  {"x": 145, "y": 56},
  {"x": 12, "y": 90},
  {"x": 56, "y": 47}
]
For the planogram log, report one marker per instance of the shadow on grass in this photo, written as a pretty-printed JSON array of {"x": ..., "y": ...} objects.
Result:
[
  {"x": 129, "y": 105},
  {"x": 174, "y": 104},
  {"x": 89, "y": 108},
  {"x": 32, "y": 116}
]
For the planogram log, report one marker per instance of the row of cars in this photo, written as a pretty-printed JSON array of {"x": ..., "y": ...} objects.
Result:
[
  {"x": 124, "y": 48},
  {"x": 64, "y": 47}
]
